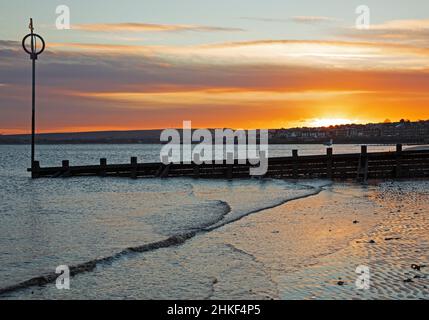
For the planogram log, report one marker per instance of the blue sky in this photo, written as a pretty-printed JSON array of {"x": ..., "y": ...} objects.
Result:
[{"x": 225, "y": 13}]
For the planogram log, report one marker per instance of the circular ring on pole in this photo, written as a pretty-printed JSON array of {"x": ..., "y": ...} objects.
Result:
[{"x": 33, "y": 54}]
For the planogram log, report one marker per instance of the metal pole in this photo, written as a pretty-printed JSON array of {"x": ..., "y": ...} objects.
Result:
[
  {"x": 33, "y": 115},
  {"x": 33, "y": 97},
  {"x": 33, "y": 51}
]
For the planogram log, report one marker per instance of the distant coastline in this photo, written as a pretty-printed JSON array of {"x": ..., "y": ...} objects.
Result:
[
  {"x": 404, "y": 131},
  {"x": 131, "y": 142}
]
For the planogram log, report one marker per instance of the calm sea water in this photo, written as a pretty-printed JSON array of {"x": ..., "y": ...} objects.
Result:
[{"x": 49, "y": 222}]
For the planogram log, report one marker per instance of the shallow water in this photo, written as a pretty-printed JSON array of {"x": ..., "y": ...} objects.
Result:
[{"x": 51, "y": 222}]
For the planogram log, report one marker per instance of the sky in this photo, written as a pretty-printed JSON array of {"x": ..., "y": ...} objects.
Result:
[{"x": 152, "y": 64}]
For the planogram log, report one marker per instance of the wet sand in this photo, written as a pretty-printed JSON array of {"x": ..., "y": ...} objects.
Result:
[
  {"x": 396, "y": 250},
  {"x": 303, "y": 249}
]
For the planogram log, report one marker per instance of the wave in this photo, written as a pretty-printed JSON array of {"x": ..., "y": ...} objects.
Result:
[
  {"x": 313, "y": 188},
  {"x": 91, "y": 265}
]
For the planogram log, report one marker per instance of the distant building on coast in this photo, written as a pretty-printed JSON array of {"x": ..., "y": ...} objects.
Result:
[{"x": 387, "y": 132}]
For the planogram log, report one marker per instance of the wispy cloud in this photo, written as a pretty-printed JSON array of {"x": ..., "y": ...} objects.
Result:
[
  {"x": 150, "y": 27},
  {"x": 313, "y": 19},
  {"x": 414, "y": 32},
  {"x": 351, "y": 55},
  {"x": 345, "y": 54},
  {"x": 266, "y": 19},
  {"x": 217, "y": 96},
  {"x": 297, "y": 19},
  {"x": 348, "y": 55},
  {"x": 411, "y": 25}
]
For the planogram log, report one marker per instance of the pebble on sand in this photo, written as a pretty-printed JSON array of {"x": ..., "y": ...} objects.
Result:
[
  {"x": 416, "y": 267},
  {"x": 392, "y": 238}
]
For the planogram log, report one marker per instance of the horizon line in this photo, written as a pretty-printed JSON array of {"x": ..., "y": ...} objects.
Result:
[{"x": 215, "y": 128}]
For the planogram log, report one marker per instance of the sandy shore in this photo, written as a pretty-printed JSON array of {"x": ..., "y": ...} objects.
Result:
[
  {"x": 396, "y": 250},
  {"x": 304, "y": 249}
]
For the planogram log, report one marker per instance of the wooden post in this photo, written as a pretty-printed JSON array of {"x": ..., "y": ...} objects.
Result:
[
  {"x": 364, "y": 155},
  {"x": 65, "y": 171},
  {"x": 165, "y": 170},
  {"x": 103, "y": 164},
  {"x": 35, "y": 169},
  {"x": 362, "y": 173},
  {"x": 197, "y": 165},
  {"x": 133, "y": 167},
  {"x": 160, "y": 169},
  {"x": 196, "y": 171},
  {"x": 329, "y": 159},
  {"x": 398, "y": 170},
  {"x": 229, "y": 165},
  {"x": 295, "y": 163}
]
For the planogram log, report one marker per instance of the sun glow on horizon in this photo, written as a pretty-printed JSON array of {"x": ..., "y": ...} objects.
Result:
[{"x": 326, "y": 122}]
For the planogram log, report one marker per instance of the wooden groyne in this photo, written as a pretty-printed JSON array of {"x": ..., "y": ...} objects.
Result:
[{"x": 358, "y": 166}]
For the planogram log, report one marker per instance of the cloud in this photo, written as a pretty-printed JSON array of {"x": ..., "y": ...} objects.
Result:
[
  {"x": 255, "y": 64},
  {"x": 345, "y": 54},
  {"x": 313, "y": 19},
  {"x": 297, "y": 19},
  {"x": 266, "y": 19},
  {"x": 410, "y": 25},
  {"x": 216, "y": 96},
  {"x": 150, "y": 27},
  {"x": 266, "y": 83},
  {"x": 413, "y": 32}
]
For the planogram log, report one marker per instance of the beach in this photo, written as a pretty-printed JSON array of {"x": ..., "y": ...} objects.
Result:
[{"x": 250, "y": 239}]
